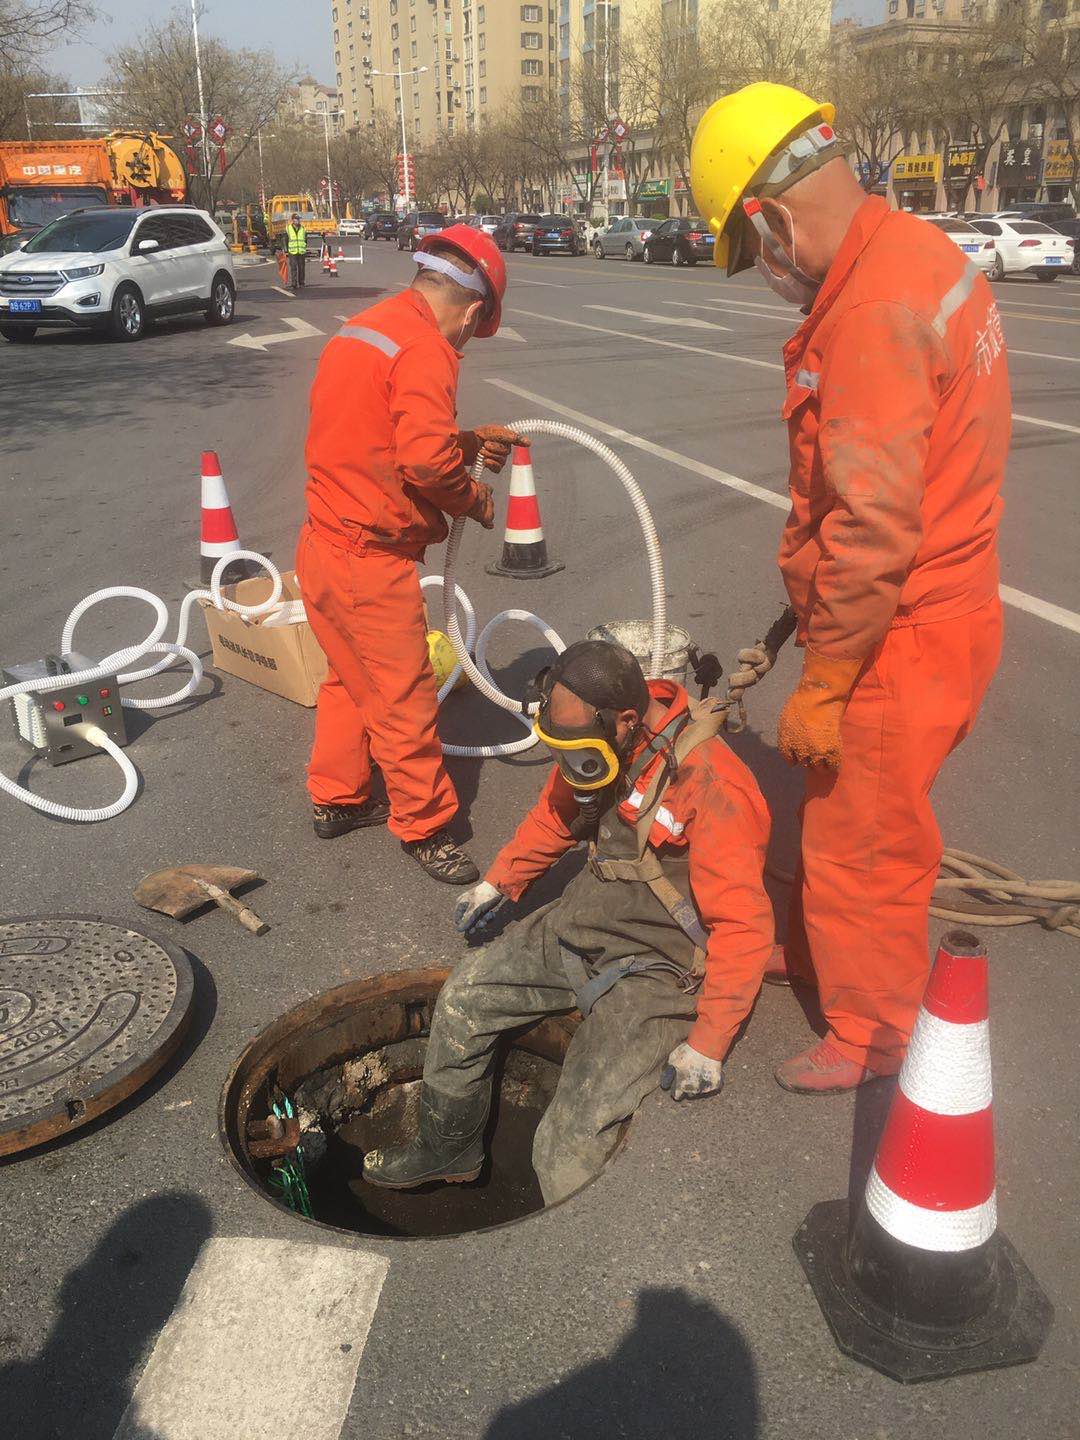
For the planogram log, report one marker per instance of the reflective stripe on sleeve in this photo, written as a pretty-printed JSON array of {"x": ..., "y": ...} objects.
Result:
[
  {"x": 955, "y": 297},
  {"x": 369, "y": 337}
]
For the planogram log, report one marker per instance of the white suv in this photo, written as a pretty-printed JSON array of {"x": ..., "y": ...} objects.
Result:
[{"x": 116, "y": 269}]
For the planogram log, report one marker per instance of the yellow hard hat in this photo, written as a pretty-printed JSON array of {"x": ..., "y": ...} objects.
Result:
[
  {"x": 735, "y": 138},
  {"x": 442, "y": 657}
]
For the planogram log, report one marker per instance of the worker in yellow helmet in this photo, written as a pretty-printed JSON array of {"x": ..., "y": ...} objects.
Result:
[{"x": 898, "y": 409}]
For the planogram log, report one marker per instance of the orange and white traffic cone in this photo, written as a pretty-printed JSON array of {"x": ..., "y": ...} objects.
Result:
[
  {"x": 341, "y": 252},
  {"x": 924, "y": 1285},
  {"x": 332, "y": 268},
  {"x": 218, "y": 535},
  {"x": 524, "y": 552}
]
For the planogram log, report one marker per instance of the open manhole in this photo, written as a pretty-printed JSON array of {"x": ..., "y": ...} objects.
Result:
[{"x": 349, "y": 1063}]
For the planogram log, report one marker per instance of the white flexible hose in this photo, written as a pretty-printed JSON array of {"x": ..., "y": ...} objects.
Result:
[
  {"x": 115, "y": 665},
  {"x": 477, "y": 670}
]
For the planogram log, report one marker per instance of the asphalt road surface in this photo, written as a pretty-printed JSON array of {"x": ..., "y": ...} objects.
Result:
[{"x": 665, "y": 1300}]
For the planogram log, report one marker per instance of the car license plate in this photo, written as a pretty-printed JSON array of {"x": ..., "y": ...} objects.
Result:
[
  {"x": 970, "y": 249},
  {"x": 552, "y": 235},
  {"x": 1053, "y": 259},
  {"x": 24, "y": 307}
]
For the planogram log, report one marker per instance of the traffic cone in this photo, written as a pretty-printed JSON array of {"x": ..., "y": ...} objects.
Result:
[
  {"x": 524, "y": 552},
  {"x": 218, "y": 535},
  {"x": 924, "y": 1285},
  {"x": 332, "y": 268},
  {"x": 326, "y": 262},
  {"x": 341, "y": 252}
]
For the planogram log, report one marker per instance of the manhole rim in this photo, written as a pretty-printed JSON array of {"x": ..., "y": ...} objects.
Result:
[
  {"x": 431, "y": 975},
  {"x": 127, "y": 1080}
]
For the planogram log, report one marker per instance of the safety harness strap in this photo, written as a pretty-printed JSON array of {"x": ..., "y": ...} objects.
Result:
[
  {"x": 589, "y": 989},
  {"x": 705, "y": 723}
]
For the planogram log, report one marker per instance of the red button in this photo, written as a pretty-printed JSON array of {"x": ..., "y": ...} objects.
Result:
[
  {"x": 104, "y": 693},
  {"x": 58, "y": 704}
]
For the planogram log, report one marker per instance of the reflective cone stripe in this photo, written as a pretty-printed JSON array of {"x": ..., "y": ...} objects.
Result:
[
  {"x": 218, "y": 534},
  {"x": 523, "y": 525},
  {"x": 932, "y": 1182}
]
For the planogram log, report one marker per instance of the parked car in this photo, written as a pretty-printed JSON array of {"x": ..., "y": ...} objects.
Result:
[
  {"x": 488, "y": 223},
  {"x": 1025, "y": 246},
  {"x": 981, "y": 248},
  {"x": 1071, "y": 230},
  {"x": 116, "y": 269},
  {"x": 683, "y": 241},
  {"x": 625, "y": 237},
  {"x": 557, "y": 234},
  {"x": 416, "y": 225},
  {"x": 515, "y": 231},
  {"x": 355, "y": 228},
  {"x": 381, "y": 225},
  {"x": 1048, "y": 211}
]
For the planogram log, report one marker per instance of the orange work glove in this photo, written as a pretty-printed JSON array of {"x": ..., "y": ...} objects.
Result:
[
  {"x": 492, "y": 443},
  {"x": 482, "y": 510},
  {"x": 809, "y": 728}
]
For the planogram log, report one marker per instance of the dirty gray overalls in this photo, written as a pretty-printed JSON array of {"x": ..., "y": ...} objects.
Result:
[{"x": 609, "y": 947}]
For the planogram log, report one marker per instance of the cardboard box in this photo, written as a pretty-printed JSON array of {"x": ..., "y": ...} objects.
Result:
[{"x": 284, "y": 659}]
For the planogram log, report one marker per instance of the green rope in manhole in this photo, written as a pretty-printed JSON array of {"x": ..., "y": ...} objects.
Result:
[{"x": 289, "y": 1178}]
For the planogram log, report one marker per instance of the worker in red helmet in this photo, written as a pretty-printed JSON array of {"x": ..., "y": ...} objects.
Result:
[{"x": 386, "y": 464}]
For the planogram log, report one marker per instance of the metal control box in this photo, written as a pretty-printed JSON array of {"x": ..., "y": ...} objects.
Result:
[{"x": 54, "y": 724}]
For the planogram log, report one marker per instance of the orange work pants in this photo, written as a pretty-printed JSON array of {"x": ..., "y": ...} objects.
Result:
[
  {"x": 871, "y": 847},
  {"x": 379, "y": 700}
]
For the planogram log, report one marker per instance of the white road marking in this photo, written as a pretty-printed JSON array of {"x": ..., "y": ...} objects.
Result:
[
  {"x": 507, "y": 332},
  {"x": 651, "y": 340},
  {"x": 762, "y": 312},
  {"x": 289, "y": 294},
  {"x": 686, "y": 320},
  {"x": 264, "y": 1344},
  {"x": 1044, "y": 609},
  {"x": 298, "y": 330},
  {"x": 736, "y": 359},
  {"x": 1038, "y": 355},
  {"x": 1047, "y": 424},
  {"x": 548, "y": 284}
]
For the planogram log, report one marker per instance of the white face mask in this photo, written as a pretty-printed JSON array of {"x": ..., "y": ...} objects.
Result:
[{"x": 788, "y": 287}]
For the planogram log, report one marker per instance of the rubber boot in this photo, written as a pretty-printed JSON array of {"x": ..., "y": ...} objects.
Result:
[{"x": 448, "y": 1146}]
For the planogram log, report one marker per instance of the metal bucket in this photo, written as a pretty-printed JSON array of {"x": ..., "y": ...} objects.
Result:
[{"x": 636, "y": 636}]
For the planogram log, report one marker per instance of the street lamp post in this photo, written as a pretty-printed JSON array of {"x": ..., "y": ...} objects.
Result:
[
  {"x": 419, "y": 70},
  {"x": 326, "y": 114},
  {"x": 606, "y": 5},
  {"x": 204, "y": 119}
]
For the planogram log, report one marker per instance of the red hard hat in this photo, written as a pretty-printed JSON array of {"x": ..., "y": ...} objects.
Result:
[{"x": 478, "y": 247}]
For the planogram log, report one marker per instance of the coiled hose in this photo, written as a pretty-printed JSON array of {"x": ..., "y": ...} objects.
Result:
[
  {"x": 115, "y": 664},
  {"x": 454, "y": 597}
]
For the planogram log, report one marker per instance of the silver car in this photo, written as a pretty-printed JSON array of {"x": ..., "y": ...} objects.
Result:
[{"x": 624, "y": 238}]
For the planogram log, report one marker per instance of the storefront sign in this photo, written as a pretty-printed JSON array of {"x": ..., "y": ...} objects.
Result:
[
  {"x": 681, "y": 187},
  {"x": 962, "y": 160},
  {"x": 654, "y": 189},
  {"x": 1018, "y": 163},
  {"x": 917, "y": 170},
  {"x": 1058, "y": 166}
]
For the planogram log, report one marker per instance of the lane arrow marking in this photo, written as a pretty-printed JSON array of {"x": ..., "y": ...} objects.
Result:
[{"x": 298, "y": 330}]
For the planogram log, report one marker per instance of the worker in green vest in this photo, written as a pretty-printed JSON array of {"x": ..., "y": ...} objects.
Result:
[{"x": 296, "y": 243}]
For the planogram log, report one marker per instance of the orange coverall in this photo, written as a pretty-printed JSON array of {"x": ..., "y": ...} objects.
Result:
[
  {"x": 898, "y": 414},
  {"x": 714, "y": 812},
  {"x": 384, "y": 463}
]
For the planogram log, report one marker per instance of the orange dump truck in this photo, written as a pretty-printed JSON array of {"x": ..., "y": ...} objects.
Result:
[{"x": 43, "y": 179}]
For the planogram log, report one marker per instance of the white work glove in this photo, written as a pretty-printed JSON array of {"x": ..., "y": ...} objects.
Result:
[
  {"x": 689, "y": 1075},
  {"x": 476, "y": 908}
]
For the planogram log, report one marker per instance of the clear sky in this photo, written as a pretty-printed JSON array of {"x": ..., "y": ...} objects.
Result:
[{"x": 298, "y": 31}]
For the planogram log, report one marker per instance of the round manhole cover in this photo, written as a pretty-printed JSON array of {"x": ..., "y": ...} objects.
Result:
[{"x": 90, "y": 1009}]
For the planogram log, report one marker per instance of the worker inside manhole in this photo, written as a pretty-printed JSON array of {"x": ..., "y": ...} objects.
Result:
[{"x": 668, "y": 811}]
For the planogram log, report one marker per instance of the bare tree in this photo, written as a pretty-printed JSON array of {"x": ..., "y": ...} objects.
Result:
[
  {"x": 155, "y": 82},
  {"x": 48, "y": 115},
  {"x": 881, "y": 96},
  {"x": 1051, "y": 52},
  {"x": 27, "y": 27}
]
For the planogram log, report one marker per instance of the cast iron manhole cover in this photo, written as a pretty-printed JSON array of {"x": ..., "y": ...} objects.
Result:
[{"x": 90, "y": 1009}]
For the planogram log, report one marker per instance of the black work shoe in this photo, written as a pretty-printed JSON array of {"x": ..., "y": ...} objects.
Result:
[
  {"x": 449, "y": 1145},
  {"x": 442, "y": 859},
  {"x": 334, "y": 820}
]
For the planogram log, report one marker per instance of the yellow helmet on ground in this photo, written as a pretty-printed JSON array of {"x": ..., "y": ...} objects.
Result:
[
  {"x": 736, "y": 139},
  {"x": 443, "y": 659}
]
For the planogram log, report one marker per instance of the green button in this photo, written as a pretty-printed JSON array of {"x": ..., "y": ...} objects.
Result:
[{"x": 83, "y": 699}]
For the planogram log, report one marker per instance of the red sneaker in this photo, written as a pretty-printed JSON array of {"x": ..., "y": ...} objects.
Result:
[{"x": 822, "y": 1070}]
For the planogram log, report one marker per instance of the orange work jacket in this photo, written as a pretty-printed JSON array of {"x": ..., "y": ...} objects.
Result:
[
  {"x": 714, "y": 812},
  {"x": 898, "y": 415},
  {"x": 383, "y": 457}
]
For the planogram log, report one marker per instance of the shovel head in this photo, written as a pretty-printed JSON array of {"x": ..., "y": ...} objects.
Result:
[{"x": 174, "y": 892}]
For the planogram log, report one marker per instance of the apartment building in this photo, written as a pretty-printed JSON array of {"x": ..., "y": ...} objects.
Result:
[
  {"x": 309, "y": 100},
  {"x": 460, "y": 61}
]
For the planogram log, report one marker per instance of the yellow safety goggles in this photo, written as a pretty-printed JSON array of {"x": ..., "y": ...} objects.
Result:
[{"x": 587, "y": 761}]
